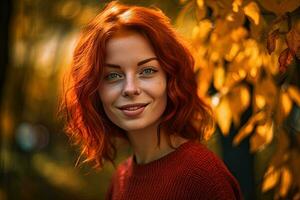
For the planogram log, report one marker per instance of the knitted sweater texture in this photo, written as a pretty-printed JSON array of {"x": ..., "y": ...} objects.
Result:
[{"x": 190, "y": 172}]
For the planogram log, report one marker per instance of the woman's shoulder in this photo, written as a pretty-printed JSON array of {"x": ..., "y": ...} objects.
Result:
[
  {"x": 202, "y": 162},
  {"x": 208, "y": 172},
  {"x": 202, "y": 157}
]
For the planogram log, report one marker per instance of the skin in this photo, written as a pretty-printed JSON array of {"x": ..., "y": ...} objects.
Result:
[{"x": 133, "y": 75}]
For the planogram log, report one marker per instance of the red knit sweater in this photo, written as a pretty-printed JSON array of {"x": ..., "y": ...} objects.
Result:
[{"x": 190, "y": 172}]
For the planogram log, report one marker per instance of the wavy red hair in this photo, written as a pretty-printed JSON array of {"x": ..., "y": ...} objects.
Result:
[{"x": 186, "y": 114}]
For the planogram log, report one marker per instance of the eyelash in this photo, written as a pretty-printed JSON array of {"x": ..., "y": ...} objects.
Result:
[
  {"x": 149, "y": 68},
  {"x": 107, "y": 77}
]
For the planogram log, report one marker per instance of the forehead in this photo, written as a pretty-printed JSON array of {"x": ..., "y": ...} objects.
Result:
[{"x": 128, "y": 45}]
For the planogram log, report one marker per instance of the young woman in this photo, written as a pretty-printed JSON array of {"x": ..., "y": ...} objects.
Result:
[{"x": 132, "y": 77}]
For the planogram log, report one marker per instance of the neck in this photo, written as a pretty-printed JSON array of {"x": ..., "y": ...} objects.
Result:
[{"x": 144, "y": 143}]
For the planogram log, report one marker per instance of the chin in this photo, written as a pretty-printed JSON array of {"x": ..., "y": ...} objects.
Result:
[
  {"x": 136, "y": 126},
  {"x": 129, "y": 128}
]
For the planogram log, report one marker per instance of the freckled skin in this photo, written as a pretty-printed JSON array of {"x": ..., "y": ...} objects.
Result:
[{"x": 132, "y": 84}]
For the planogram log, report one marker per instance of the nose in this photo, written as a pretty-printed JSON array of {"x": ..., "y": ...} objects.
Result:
[{"x": 131, "y": 87}]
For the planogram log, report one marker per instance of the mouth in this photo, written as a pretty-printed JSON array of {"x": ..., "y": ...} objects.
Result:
[
  {"x": 132, "y": 107},
  {"x": 133, "y": 110}
]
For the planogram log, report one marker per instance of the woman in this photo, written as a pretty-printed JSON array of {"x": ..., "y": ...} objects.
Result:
[{"x": 132, "y": 77}]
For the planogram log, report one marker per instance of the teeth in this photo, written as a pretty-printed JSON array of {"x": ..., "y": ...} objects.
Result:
[{"x": 132, "y": 108}]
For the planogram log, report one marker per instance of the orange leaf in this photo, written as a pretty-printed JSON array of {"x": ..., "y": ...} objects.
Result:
[
  {"x": 219, "y": 77},
  {"x": 224, "y": 115},
  {"x": 280, "y": 7},
  {"x": 286, "y": 180},
  {"x": 271, "y": 42},
  {"x": 260, "y": 101},
  {"x": 294, "y": 93},
  {"x": 271, "y": 178},
  {"x": 286, "y": 103},
  {"x": 204, "y": 79},
  {"x": 239, "y": 100},
  {"x": 264, "y": 93},
  {"x": 252, "y": 11},
  {"x": 200, "y": 3},
  {"x": 285, "y": 58},
  {"x": 236, "y": 4},
  {"x": 293, "y": 40},
  {"x": 263, "y": 136},
  {"x": 248, "y": 127}
]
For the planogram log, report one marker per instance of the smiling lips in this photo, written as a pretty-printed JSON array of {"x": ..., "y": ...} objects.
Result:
[{"x": 132, "y": 110}]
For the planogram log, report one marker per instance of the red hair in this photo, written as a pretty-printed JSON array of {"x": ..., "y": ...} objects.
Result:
[{"x": 186, "y": 115}]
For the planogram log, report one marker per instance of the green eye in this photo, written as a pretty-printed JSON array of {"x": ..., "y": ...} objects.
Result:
[
  {"x": 148, "y": 71},
  {"x": 113, "y": 76}
]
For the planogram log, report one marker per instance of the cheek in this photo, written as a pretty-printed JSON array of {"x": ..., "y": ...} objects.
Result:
[
  {"x": 158, "y": 88},
  {"x": 108, "y": 95}
]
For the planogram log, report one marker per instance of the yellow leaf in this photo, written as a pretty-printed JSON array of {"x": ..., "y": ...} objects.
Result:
[
  {"x": 200, "y": 3},
  {"x": 224, "y": 115},
  {"x": 184, "y": 22},
  {"x": 239, "y": 100},
  {"x": 252, "y": 11},
  {"x": 245, "y": 97},
  {"x": 265, "y": 93},
  {"x": 286, "y": 180},
  {"x": 286, "y": 103},
  {"x": 201, "y": 31},
  {"x": 248, "y": 127},
  {"x": 232, "y": 52},
  {"x": 260, "y": 101},
  {"x": 219, "y": 76},
  {"x": 256, "y": 142},
  {"x": 271, "y": 178},
  {"x": 236, "y": 4},
  {"x": 244, "y": 132},
  {"x": 262, "y": 137},
  {"x": 294, "y": 93},
  {"x": 204, "y": 80},
  {"x": 239, "y": 34},
  {"x": 266, "y": 130}
]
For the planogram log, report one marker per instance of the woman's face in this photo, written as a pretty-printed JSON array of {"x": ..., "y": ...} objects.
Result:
[{"x": 133, "y": 85}]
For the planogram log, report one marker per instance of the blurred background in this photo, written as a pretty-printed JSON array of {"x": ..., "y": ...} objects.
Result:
[{"x": 247, "y": 64}]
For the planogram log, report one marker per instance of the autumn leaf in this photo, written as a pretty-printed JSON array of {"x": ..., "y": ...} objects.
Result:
[
  {"x": 224, "y": 115},
  {"x": 286, "y": 180},
  {"x": 271, "y": 178},
  {"x": 230, "y": 54},
  {"x": 253, "y": 12},
  {"x": 280, "y": 7},
  {"x": 239, "y": 100},
  {"x": 248, "y": 127},
  {"x": 260, "y": 101},
  {"x": 219, "y": 77},
  {"x": 264, "y": 93},
  {"x": 200, "y": 3},
  {"x": 286, "y": 104},
  {"x": 285, "y": 58},
  {"x": 294, "y": 94},
  {"x": 204, "y": 79},
  {"x": 271, "y": 42},
  {"x": 262, "y": 137},
  {"x": 293, "y": 41},
  {"x": 236, "y": 5}
]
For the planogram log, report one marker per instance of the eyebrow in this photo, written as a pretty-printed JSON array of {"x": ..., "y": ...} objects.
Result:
[{"x": 139, "y": 63}]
